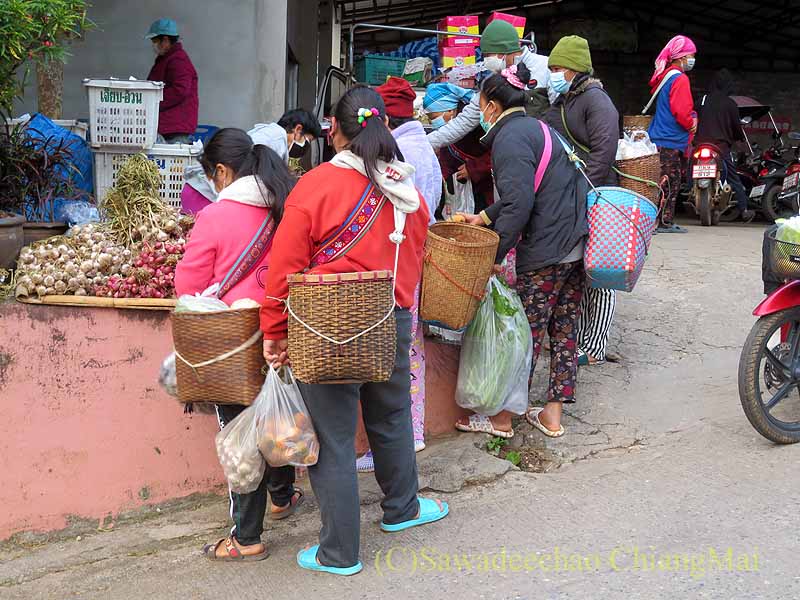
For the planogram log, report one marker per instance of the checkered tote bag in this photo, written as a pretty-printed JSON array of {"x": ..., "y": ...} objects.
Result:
[{"x": 621, "y": 224}]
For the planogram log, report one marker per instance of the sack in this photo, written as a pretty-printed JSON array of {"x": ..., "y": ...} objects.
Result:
[
  {"x": 168, "y": 375},
  {"x": 237, "y": 448},
  {"x": 285, "y": 433},
  {"x": 496, "y": 355}
]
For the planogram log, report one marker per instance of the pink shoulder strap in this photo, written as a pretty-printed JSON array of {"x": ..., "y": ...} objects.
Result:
[{"x": 546, "y": 154}]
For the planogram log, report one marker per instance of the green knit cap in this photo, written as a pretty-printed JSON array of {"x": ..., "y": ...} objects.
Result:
[
  {"x": 499, "y": 37},
  {"x": 572, "y": 52}
]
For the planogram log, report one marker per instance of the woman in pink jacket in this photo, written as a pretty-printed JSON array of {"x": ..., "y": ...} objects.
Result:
[{"x": 253, "y": 183}]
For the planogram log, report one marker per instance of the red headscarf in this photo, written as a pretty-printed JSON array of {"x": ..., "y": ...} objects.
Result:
[{"x": 676, "y": 48}]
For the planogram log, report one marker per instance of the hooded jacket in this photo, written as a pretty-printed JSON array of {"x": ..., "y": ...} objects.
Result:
[
  {"x": 177, "y": 112},
  {"x": 552, "y": 221},
  {"x": 593, "y": 122},
  {"x": 416, "y": 151}
]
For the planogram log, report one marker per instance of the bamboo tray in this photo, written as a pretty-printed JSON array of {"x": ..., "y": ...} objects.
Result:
[{"x": 95, "y": 302}]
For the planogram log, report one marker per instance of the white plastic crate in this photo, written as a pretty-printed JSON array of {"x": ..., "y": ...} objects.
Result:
[
  {"x": 171, "y": 159},
  {"x": 123, "y": 114},
  {"x": 76, "y": 127}
]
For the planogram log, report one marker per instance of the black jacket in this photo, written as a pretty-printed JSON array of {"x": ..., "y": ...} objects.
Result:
[
  {"x": 552, "y": 221},
  {"x": 718, "y": 122},
  {"x": 593, "y": 121}
]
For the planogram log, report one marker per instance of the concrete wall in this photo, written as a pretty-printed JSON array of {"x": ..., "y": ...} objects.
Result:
[{"x": 237, "y": 46}]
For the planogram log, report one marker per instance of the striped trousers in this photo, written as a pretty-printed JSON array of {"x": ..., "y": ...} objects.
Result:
[{"x": 594, "y": 325}]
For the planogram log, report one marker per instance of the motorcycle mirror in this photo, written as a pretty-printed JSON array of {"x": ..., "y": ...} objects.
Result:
[{"x": 747, "y": 120}]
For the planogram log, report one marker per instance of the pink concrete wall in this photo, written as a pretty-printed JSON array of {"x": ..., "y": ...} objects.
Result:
[{"x": 86, "y": 430}]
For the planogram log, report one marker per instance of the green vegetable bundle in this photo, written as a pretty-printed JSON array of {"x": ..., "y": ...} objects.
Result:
[{"x": 496, "y": 355}]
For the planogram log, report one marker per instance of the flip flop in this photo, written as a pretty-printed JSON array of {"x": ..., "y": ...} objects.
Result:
[
  {"x": 293, "y": 506},
  {"x": 532, "y": 417},
  {"x": 585, "y": 361},
  {"x": 234, "y": 554},
  {"x": 483, "y": 424},
  {"x": 307, "y": 559},
  {"x": 429, "y": 512}
]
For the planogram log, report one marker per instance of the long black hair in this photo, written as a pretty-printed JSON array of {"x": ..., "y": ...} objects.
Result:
[
  {"x": 233, "y": 148},
  {"x": 498, "y": 88},
  {"x": 372, "y": 141}
]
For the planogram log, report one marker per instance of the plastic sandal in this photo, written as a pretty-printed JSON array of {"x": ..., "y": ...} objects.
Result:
[
  {"x": 483, "y": 424},
  {"x": 307, "y": 559},
  {"x": 234, "y": 554},
  {"x": 532, "y": 417},
  {"x": 429, "y": 512},
  {"x": 293, "y": 506},
  {"x": 365, "y": 464}
]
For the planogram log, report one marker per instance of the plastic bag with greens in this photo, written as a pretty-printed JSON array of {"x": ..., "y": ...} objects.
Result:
[
  {"x": 496, "y": 355},
  {"x": 788, "y": 230}
]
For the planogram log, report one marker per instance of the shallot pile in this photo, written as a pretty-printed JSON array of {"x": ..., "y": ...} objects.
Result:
[{"x": 132, "y": 254}]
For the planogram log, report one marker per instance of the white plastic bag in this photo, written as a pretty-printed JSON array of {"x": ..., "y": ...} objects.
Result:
[
  {"x": 286, "y": 435},
  {"x": 496, "y": 355},
  {"x": 168, "y": 375},
  {"x": 187, "y": 303},
  {"x": 462, "y": 200},
  {"x": 237, "y": 448},
  {"x": 635, "y": 145}
]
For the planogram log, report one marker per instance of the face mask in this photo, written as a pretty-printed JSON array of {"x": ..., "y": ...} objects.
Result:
[
  {"x": 485, "y": 125},
  {"x": 495, "y": 64},
  {"x": 438, "y": 122},
  {"x": 690, "y": 63},
  {"x": 559, "y": 82}
]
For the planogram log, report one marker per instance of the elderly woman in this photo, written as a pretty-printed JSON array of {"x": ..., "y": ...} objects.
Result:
[
  {"x": 675, "y": 120},
  {"x": 585, "y": 114}
]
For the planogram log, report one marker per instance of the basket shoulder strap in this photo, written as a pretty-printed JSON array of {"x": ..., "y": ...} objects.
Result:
[
  {"x": 670, "y": 74},
  {"x": 569, "y": 133},
  {"x": 544, "y": 161},
  {"x": 253, "y": 254}
]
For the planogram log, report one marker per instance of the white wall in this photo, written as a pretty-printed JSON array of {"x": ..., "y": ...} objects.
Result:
[{"x": 238, "y": 48}]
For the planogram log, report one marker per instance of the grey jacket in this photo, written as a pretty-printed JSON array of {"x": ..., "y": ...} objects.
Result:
[
  {"x": 593, "y": 121},
  {"x": 551, "y": 221}
]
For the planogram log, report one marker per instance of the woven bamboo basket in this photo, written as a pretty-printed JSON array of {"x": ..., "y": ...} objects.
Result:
[
  {"x": 208, "y": 337},
  {"x": 458, "y": 263},
  {"x": 643, "y": 167},
  {"x": 636, "y": 122},
  {"x": 340, "y": 307}
]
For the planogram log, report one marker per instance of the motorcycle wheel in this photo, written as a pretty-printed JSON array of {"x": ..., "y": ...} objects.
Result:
[
  {"x": 704, "y": 206},
  {"x": 775, "y": 209},
  {"x": 769, "y": 377},
  {"x": 730, "y": 215}
]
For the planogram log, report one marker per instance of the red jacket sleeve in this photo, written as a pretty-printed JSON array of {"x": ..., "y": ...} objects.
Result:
[
  {"x": 179, "y": 75},
  {"x": 681, "y": 102},
  {"x": 195, "y": 270},
  {"x": 291, "y": 253}
]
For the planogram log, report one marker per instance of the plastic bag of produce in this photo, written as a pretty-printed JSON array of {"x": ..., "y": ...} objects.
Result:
[
  {"x": 168, "y": 375},
  {"x": 285, "y": 433},
  {"x": 788, "y": 230},
  {"x": 496, "y": 355},
  {"x": 237, "y": 448},
  {"x": 635, "y": 145},
  {"x": 187, "y": 303}
]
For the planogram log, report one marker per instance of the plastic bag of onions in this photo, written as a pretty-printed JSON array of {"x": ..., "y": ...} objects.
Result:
[{"x": 237, "y": 448}]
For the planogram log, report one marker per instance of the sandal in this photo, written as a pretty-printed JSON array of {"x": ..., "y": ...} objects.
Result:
[
  {"x": 429, "y": 512},
  {"x": 584, "y": 360},
  {"x": 532, "y": 417},
  {"x": 294, "y": 504},
  {"x": 483, "y": 424},
  {"x": 234, "y": 554},
  {"x": 307, "y": 559}
]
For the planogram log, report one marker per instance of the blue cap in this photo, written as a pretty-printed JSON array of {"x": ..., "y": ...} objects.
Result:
[{"x": 162, "y": 27}]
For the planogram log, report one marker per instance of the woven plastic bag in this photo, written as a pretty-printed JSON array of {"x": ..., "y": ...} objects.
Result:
[
  {"x": 237, "y": 448},
  {"x": 496, "y": 355},
  {"x": 286, "y": 435}
]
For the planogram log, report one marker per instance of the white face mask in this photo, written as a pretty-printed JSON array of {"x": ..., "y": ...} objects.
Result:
[
  {"x": 495, "y": 64},
  {"x": 690, "y": 63}
]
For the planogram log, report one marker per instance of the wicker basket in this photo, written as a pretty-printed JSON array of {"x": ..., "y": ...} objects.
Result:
[
  {"x": 458, "y": 263},
  {"x": 205, "y": 337},
  {"x": 636, "y": 123},
  {"x": 784, "y": 258},
  {"x": 340, "y": 307},
  {"x": 644, "y": 167}
]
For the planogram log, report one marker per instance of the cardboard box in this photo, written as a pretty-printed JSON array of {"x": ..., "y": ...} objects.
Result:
[
  {"x": 459, "y": 24},
  {"x": 517, "y": 22},
  {"x": 457, "y": 57}
]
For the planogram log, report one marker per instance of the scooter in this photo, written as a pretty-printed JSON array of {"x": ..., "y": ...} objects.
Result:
[
  {"x": 710, "y": 195},
  {"x": 769, "y": 367}
]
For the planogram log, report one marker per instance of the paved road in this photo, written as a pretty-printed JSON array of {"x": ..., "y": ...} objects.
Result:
[{"x": 665, "y": 490}]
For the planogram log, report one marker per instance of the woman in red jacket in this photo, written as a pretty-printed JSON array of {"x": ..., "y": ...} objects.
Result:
[{"x": 368, "y": 179}]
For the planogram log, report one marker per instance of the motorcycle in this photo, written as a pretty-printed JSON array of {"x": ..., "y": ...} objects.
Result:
[
  {"x": 711, "y": 196},
  {"x": 790, "y": 188}
]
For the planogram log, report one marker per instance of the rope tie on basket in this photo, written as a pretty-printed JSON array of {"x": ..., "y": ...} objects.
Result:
[
  {"x": 253, "y": 339},
  {"x": 429, "y": 260}
]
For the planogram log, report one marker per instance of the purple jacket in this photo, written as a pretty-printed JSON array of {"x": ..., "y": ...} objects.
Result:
[
  {"x": 418, "y": 152},
  {"x": 178, "y": 110}
]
